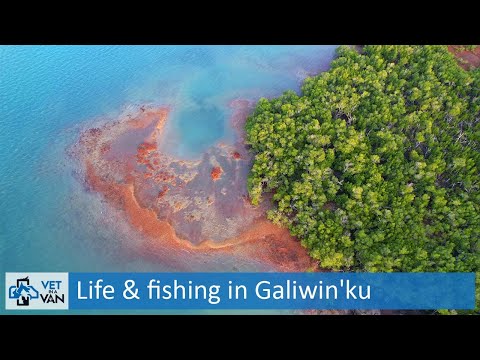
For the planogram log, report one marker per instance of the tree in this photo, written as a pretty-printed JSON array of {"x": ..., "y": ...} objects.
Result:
[{"x": 375, "y": 165}]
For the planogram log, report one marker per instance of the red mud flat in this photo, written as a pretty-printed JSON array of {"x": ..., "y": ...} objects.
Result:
[
  {"x": 236, "y": 155},
  {"x": 467, "y": 59},
  {"x": 185, "y": 218},
  {"x": 216, "y": 173}
]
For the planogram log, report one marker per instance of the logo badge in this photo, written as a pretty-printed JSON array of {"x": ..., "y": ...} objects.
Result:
[{"x": 36, "y": 291}]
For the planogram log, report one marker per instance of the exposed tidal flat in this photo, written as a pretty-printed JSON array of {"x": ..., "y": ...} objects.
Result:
[
  {"x": 160, "y": 185},
  {"x": 193, "y": 214}
]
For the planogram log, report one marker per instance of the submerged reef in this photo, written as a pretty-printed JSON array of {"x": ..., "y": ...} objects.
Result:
[{"x": 192, "y": 214}]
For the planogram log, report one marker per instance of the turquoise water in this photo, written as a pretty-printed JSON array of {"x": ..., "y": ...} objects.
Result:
[{"x": 48, "y": 94}]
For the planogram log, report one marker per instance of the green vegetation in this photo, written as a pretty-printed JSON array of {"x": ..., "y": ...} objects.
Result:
[
  {"x": 460, "y": 48},
  {"x": 376, "y": 165}
]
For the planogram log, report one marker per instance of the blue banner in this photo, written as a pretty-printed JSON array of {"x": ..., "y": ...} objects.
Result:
[{"x": 421, "y": 291}]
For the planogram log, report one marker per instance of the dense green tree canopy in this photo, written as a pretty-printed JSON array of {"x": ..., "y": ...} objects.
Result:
[{"x": 376, "y": 165}]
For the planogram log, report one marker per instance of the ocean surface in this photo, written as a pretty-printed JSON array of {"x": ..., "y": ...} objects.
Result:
[{"x": 49, "y": 94}]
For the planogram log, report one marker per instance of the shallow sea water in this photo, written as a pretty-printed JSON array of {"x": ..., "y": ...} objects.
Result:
[{"x": 48, "y": 94}]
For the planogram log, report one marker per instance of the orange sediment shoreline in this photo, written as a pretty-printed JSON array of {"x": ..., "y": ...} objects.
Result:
[
  {"x": 122, "y": 162},
  {"x": 216, "y": 173}
]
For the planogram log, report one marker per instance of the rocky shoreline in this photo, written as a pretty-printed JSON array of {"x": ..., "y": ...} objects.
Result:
[{"x": 188, "y": 210}]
